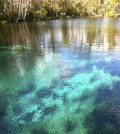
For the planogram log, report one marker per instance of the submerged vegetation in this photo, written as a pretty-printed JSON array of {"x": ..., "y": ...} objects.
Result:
[{"x": 32, "y": 10}]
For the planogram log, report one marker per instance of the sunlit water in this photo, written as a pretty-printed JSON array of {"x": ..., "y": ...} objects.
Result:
[{"x": 60, "y": 77}]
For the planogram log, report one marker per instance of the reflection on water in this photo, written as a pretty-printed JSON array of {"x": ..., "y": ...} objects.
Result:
[
  {"x": 101, "y": 32},
  {"x": 59, "y": 77}
]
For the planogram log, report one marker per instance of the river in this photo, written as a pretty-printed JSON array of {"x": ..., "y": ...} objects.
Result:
[{"x": 60, "y": 77}]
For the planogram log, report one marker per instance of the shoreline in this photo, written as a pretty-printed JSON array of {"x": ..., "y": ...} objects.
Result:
[{"x": 58, "y": 18}]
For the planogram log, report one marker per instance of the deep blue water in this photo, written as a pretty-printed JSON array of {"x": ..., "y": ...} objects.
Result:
[{"x": 60, "y": 77}]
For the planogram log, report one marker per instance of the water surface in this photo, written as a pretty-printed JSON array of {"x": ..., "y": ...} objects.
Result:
[{"x": 60, "y": 77}]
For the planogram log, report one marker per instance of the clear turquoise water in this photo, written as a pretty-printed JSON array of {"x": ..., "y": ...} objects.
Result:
[{"x": 60, "y": 77}]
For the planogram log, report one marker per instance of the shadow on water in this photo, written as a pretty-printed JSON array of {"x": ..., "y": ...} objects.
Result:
[{"x": 105, "y": 117}]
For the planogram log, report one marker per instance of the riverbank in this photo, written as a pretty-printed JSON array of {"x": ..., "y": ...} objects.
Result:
[{"x": 58, "y": 18}]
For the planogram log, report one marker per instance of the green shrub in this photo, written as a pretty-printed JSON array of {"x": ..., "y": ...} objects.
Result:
[
  {"x": 62, "y": 15},
  {"x": 40, "y": 14},
  {"x": 12, "y": 16},
  {"x": 30, "y": 15},
  {"x": 50, "y": 9}
]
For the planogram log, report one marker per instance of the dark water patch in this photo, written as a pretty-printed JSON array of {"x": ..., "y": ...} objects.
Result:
[
  {"x": 52, "y": 87},
  {"x": 47, "y": 92},
  {"x": 69, "y": 125},
  {"x": 105, "y": 117},
  {"x": 82, "y": 97},
  {"x": 2, "y": 113},
  {"x": 116, "y": 101},
  {"x": 4, "y": 129},
  {"x": 104, "y": 93},
  {"x": 116, "y": 86},
  {"x": 113, "y": 68},
  {"x": 78, "y": 110},
  {"x": 116, "y": 93},
  {"x": 39, "y": 131},
  {"x": 28, "y": 117},
  {"x": 94, "y": 79},
  {"x": 37, "y": 101},
  {"x": 17, "y": 109},
  {"x": 50, "y": 110},
  {"x": 64, "y": 98},
  {"x": 3, "y": 106},
  {"x": 44, "y": 93},
  {"x": 54, "y": 82},
  {"x": 103, "y": 120},
  {"x": 55, "y": 96},
  {"x": 66, "y": 84},
  {"x": 26, "y": 90}
]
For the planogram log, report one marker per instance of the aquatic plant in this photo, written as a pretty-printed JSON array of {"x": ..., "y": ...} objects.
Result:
[
  {"x": 105, "y": 117},
  {"x": 69, "y": 125},
  {"x": 50, "y": 110},
  {"x": 39, "y": 131}
]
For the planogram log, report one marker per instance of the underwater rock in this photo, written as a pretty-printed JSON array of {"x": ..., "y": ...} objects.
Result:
[
  {"x": 69, "y": 125},
  {"x": 26, "y": 90},
  {"x": 44, "y": 93},
  {"x": 50, "y": 110},
  {"x": 39, "y": 131}
]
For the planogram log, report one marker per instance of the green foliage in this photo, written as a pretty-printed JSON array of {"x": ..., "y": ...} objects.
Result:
[
  {"x": 40, "y": 14},
  {"x": 50, "y": 9},
  {"x": 62, "y": 15},
  {"x": 61, "y": 9},
  {"x": 81, "y": 10},
  {"x": 3, "y": 16},
  {"x": 12, "y": 16}
]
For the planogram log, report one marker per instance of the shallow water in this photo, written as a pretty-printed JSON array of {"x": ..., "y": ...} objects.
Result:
[{"x": 60, "y": 77}]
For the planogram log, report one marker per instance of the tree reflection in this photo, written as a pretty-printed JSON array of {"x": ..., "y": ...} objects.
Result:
[
  {"x": 98, "y": 33},
  {"x": 111, "y": 32}
]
